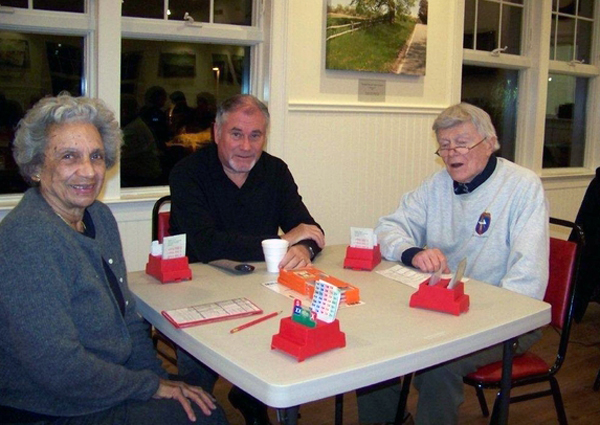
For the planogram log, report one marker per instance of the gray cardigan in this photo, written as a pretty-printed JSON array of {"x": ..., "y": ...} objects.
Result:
[{"x": 65, "y": 347}]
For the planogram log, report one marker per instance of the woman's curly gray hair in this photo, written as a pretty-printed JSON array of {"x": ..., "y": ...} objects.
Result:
[{"x": 31, "y": 136}]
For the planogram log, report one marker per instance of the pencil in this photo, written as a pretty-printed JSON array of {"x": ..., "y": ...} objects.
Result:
[{"x": 254, "y": 322}]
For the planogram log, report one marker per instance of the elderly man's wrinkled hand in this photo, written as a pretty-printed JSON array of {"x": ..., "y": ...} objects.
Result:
[
  {"x": 186, "y": 394},
  {"x": 430, "y": 261},
  {"x": 305, "y": 231}
]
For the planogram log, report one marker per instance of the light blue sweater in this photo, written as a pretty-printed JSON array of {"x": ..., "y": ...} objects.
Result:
[
  {"x": 512, "y": 253},
  {"x": 65, "y": 348}
]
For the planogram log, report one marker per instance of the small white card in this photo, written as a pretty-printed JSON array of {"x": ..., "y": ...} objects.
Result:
[
  {"x": 173, "y": 247},
  {"x": 362, "y": 237}
]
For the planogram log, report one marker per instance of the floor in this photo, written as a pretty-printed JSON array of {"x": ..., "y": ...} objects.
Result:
[{"x": 576, "y": 378}]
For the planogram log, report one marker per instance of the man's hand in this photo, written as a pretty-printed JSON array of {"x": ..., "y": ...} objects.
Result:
[
  {"x": 297, "y": 256},
  {"x": 305, "y": 231},
  {"x": 185, "y": 393},
  {"x": 431, "y": 260}
]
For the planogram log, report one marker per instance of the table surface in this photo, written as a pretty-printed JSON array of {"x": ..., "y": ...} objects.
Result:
[{"x": 385, "y": 338}]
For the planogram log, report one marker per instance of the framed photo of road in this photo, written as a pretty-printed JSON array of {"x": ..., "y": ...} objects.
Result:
[{"x": 383, "y": 36}]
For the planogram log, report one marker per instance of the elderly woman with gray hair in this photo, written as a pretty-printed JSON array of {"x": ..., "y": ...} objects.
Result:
[{"x": 73, "y": 350}]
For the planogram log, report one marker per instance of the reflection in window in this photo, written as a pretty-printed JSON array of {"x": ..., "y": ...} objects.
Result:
[
  {"x": 494, "y": 90},
  {"x": 169, "y": 95},
  {"x": 31, "y": 67},
  {"x": 233, "y": 12},
  {"x": 564, "y": 139},
  {"x": 54, "y": 5},
  {"x": 490, "y": 25},
  {"x": 571, "y": 30}
]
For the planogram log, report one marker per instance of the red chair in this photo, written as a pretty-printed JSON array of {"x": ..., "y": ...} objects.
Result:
[
  {"x": 160, "y": 219},
  {"x": 160, "y": 229},
  {"x": 530, "y": 368}
]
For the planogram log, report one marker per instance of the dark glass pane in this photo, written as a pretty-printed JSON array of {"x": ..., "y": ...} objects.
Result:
[
  {"x": 514, "y": 1},
  {"x": 59, "y": 5},
  {"x": 564, "y": 137},
  {"x": 153, "y": 9},
  {"x": 512, "y": 17},
  {"x": 169, "y": 93},
  {"x": 584, "y": 41},
  {"x": 487, "y": 26},
  {"x": 33, "y": 66},
  {"x": 496, "y": 91},
  {"x": 14, "y": 3},
  {"x": 236, "y": 12},
  {"x": 468, "y": 39},
  {"x": 586, "y": 8},
  {"x": 199, "y": 10},
  {"x": 563, "y": 34}
]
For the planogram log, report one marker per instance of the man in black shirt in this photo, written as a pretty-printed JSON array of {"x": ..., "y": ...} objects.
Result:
[
  {"x": 231, "y": 195},
  {"x": 227, "y": 198}
]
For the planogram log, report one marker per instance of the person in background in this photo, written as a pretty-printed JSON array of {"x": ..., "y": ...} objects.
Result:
[
  {"x": 486, "y": 209},
  {"x": 228, "y": 197},
  {"x": 73, "y": 349}
]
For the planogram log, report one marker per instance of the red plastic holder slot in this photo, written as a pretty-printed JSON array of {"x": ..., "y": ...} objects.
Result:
[
  {"x": 362, "y": 258},
  {"x": 439, "y": 298},
  {"x": 302, "y": 342},
  {"x": 171, "y": 270}
]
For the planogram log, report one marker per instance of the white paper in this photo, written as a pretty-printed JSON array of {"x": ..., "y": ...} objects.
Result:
[
  {"x": 361, "y": 237},
  {"x": 173, "y": 247}
]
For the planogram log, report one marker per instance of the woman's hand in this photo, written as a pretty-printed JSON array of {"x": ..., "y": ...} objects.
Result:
[{"x": 185, "y": 394}]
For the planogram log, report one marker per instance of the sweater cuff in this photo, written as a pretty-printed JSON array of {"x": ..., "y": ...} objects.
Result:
[{"x": 408, "y": 255}]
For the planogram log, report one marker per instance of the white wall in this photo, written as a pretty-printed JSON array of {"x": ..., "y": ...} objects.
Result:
[{"x": 352, "y": 161}]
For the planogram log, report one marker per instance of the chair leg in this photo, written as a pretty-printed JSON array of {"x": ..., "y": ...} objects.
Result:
[
  {"x": 339, "y": 409},
  {"x": 597, "y": 382},
  {"x": 558, "y": 403},
  {"x": 482, "y": 402},
  {"x": 400, "y": 411}
]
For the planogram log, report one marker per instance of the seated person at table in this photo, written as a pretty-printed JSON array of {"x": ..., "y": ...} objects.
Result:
[
  {"x": 228, "y": 197},
  {"x": 73, "y": 349},
  {"x": 231, "y": 195},
  {"x": 483, "y": 208}
]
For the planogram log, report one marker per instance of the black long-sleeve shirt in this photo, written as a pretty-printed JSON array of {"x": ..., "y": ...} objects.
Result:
[{"x": 224, "y": 221}]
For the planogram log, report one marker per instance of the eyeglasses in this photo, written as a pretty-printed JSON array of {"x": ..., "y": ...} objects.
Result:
[{"x": 461, "y": 150}]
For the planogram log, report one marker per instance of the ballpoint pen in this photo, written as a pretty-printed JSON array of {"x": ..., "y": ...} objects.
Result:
[{"x": 254, "y": 322}]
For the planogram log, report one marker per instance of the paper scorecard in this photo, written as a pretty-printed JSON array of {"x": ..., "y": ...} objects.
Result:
[
  {"x": 413, "y": 277},
  {"x": 211, "y": 312},
  {"x": 173, "y": 246},
  {"x": 326, "y": 301}
]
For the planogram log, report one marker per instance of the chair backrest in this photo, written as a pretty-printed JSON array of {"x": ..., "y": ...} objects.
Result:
[
  {"x": 160, "y": 219},
  {"x": 562, "y": 280}
]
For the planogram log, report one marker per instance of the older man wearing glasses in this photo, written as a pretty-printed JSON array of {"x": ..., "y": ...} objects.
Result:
[{"x": 483, "y": 208}]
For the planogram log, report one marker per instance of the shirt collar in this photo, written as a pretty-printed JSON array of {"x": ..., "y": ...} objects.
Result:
[{"x": 462, "y": 188}]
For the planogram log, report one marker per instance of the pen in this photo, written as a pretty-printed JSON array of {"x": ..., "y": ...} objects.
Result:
[{"x": 254, "y": 322}]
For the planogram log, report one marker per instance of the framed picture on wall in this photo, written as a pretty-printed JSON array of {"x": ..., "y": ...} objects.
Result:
[
  {"x": 177, "y": 65},
  {"x": 376, "y": 36},
  {"x": 14, "y": 53}
]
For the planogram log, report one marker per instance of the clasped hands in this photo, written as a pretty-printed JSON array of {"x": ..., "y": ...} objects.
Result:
[{"x": 299, "y": 255}]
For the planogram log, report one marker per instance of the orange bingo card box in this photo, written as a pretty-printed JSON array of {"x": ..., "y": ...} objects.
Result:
[{"x": 303, "y": 281}]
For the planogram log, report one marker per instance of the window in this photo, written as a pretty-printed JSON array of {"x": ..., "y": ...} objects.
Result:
[
  {"x": 498, "y": 57},
  {"x": 198, "y": 59}
]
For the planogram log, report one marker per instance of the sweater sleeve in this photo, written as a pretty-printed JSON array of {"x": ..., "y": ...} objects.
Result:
[
  {"x": 528, "y": 260},
  {"x": 405, "y": 228}
]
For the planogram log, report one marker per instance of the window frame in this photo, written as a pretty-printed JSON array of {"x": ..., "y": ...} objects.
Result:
[
  {"x": 534, "y": 67},
  {"x": 102, "y": 28}
]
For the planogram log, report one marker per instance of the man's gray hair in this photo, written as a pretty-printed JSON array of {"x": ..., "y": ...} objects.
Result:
[
  {"x": 465, "y": 112},
  {"x": 31, "y": 136},
  {"x": 237, "y": 102}
]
